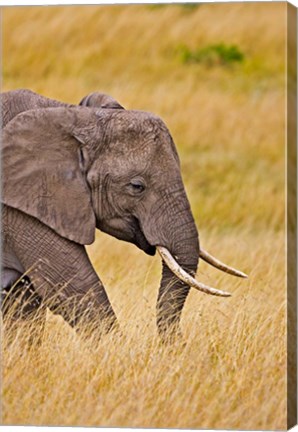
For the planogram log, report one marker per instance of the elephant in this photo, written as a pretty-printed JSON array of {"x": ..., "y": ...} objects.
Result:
[{"x": 68, "y": 170}]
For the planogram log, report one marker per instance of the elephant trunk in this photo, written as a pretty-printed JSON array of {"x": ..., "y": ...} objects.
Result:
[
  {"x": 171, "y": 298},
  {"x": 171, "y": 229},
  {"x": 173, "y": 292}
]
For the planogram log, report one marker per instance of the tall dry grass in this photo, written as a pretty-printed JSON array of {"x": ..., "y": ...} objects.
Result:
[
  {"x": 230, "y": 374},
  {"x": 228, "y": 125}
]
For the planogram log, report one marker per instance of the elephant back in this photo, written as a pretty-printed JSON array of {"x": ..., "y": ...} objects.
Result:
[{"x": 17, "y": 101}]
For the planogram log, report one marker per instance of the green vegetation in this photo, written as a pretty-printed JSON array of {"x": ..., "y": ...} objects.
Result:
[
  {"x": 212, "y": 55},
  {"x": 184, "y": 6},
  {"x": 228, "y": 124}
]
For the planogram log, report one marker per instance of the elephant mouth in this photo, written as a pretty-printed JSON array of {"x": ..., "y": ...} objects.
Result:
[
  {"x": 128, "y": 230},
  {"x": 142, "y": 242},
  {"x": 149, "y": 249}
]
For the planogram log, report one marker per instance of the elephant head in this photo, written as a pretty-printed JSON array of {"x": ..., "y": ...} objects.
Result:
[{"x": 118, "y": 170}]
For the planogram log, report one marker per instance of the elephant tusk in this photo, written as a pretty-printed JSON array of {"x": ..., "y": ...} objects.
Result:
[
  {"x": 185, "y": 277},
  {"x": 220, "y": 265}
]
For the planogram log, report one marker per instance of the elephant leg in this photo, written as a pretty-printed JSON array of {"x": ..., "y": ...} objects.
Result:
[
  {"x": 60, "y": 271},
  {"x": 81, "y": 300},
  {"x": 21, "y": 306}
]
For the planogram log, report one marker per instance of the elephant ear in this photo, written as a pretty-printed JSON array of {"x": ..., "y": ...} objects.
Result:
[
  {"x": 100, "y": 100},
  {"x": 42, "y": 172}
]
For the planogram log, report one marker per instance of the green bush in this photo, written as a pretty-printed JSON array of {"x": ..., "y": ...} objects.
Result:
[
  {"x": 212, "y": 55},
  {"x": 185, "y": 6}
]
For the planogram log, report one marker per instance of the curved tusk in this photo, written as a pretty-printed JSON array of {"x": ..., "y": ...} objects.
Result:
[
  {"x": 185, "y": 277},
  {"x": 220, "y": 265}
]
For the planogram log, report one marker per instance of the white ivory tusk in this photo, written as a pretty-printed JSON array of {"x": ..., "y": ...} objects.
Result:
[
  {"x": 220, "y": 265},
  {"x": 185, "y": 277}
]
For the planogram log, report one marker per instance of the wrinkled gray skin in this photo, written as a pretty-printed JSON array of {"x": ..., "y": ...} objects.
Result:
[{"x": 68, "y": 170}]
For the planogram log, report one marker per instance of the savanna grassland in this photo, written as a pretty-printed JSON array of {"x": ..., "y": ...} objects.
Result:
[{"x": 227, "y": 119}]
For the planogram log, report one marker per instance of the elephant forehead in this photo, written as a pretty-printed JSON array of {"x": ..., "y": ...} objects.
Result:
[
  {"x": 136, "y": 138},
  {"x": 123, "y": 161},
  {"x": 135, "y": 158},
  {"x": 136, "y": 124},
  {"x": 138, "y": 154},
  {"x": 147, "y": 136}
]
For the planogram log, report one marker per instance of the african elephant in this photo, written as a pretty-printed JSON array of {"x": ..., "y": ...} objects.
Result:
[{"x": 68, "y": 170}]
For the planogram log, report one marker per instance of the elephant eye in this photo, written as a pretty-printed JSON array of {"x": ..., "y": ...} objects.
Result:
[{"x": 137, "y": 186}]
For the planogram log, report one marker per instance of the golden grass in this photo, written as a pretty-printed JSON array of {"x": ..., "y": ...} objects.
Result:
[
  {"x": 229, "y": 126},
  {"x": 231, "y": 374}
]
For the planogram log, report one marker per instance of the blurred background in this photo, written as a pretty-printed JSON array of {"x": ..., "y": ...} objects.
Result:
[{"x": 215, "y": 73}]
